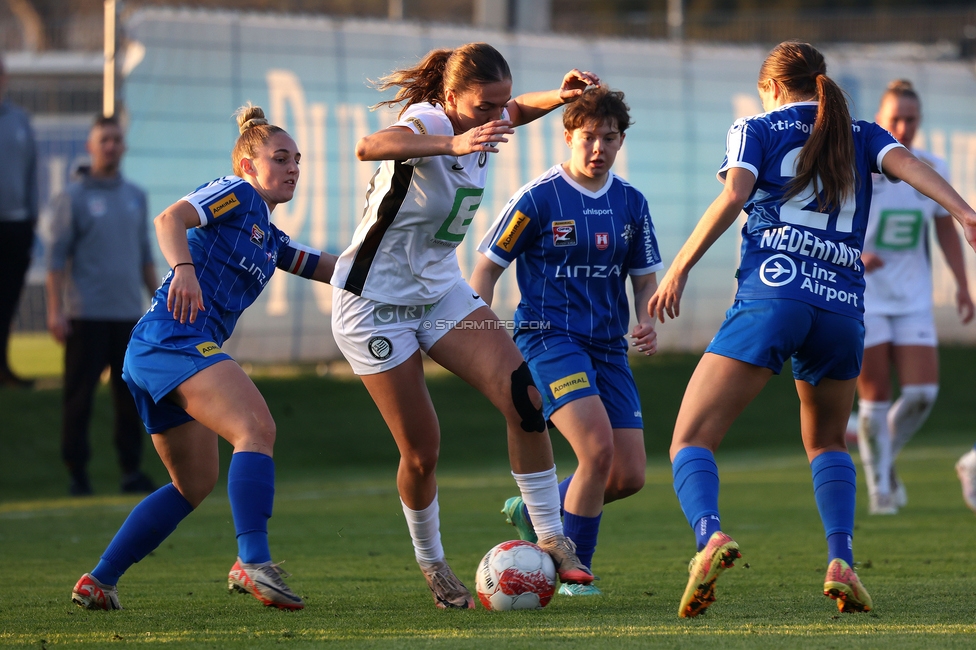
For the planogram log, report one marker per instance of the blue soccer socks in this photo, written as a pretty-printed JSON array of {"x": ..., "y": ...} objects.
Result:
[
  {"x": 250, "y": 487},
  {"x": 696, "y": 484},
  {"x": 835, "y": 488},
  {"x": 149, "y": 523},
  {"x": 583, "y": 531}
]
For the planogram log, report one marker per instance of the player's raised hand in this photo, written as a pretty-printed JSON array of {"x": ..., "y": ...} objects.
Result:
[
  {"x": 574, "y": 83},
  {"x": 964, "y": 305},
  {"x": 645, "y": 338},
  {"x": 185, "y": 298},
  {"x": 667, "y": 298},
  {"x": 483, "y": 138}
]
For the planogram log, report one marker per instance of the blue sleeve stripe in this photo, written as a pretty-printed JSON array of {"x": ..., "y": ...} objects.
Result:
[{"x": 298, "y": 259}]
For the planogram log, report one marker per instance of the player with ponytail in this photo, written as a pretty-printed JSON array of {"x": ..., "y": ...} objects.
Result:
[
  {"x": 802, "y": 173},
  {"x": 222, "y": 249},
  {"x": 433, "y": 165}
]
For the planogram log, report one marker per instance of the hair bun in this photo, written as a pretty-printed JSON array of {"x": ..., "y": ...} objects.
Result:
[
  {"x": 900, "y": 86},
  {"x": 249, "y": 116}
]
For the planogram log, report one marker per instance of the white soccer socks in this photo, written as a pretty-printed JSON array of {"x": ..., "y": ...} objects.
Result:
[
  {"x": 540, "y": 493},
  {"x": 425, "y": 532}
]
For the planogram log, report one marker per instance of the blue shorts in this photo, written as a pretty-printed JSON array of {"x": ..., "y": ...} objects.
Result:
[
  {"x": 823, "y": 344},
  {"x": 162, "y": 354},
  {"x": 568, "y": 371}
]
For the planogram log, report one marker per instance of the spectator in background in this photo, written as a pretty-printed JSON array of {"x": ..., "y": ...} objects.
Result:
[
  {"x": 99, "y": 275},
  {"x": 18, "y": 214}
]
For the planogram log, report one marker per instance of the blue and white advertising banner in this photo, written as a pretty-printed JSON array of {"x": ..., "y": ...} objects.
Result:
[{"x": 187, "y": 71}]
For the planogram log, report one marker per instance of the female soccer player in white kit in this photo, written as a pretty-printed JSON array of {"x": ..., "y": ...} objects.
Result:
[
  {"x": 401, "y": 290},
  {"x": 899, "y": 329},
  {"x": 578, "y": 231},
  {"x": 802, "y": 171}
]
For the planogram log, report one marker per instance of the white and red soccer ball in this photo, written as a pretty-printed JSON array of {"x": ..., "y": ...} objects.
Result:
[{"x": 515, "y": 575}]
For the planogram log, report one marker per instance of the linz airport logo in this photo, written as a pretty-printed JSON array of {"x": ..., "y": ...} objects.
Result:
[
  {"x": 777, "y": 270},
  {"x": 380, "y": 347},
  {"x": 257, "y": 235},
  {"x": 564, "y": 233},
  {"x": 602, "y": 240}
]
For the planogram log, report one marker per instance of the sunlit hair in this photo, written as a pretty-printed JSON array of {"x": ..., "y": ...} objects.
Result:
[
  {"x": 827, "y": 157},
  {"x": 901, "y": 88},
  {"x": 255, "y": 132},
  {"x": 460, "y": 69},
  {"x": 600, "y": 105}
]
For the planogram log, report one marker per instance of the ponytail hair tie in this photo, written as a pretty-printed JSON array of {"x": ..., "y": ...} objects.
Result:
[{"x": 254, "y": 121}]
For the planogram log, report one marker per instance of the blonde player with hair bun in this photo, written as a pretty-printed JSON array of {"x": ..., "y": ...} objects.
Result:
[
  {"x": 457, "y": 108},
  {"x": 222, "y": 249},
  {"x": 899, "y": 328}
]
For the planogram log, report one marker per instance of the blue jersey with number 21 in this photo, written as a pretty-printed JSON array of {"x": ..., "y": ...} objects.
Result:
[{"x": 789, "y": 249}]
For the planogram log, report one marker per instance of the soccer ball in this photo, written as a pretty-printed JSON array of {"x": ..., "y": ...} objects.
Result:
[{"x": 515, "y": 575}]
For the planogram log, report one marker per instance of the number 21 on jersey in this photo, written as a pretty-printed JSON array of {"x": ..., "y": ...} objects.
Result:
[{"x": 795, "y": 210}]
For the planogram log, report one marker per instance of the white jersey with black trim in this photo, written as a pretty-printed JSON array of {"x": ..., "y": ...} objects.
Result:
[
  {"x": 897, "y": 232},
  {"x": 417, "y": 213}
]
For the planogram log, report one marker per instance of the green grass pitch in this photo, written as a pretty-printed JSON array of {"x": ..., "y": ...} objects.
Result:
[{"x": 338, "y": 525}]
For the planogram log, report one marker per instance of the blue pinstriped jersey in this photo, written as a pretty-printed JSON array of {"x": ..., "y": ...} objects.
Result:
[
  {"x": 234, "y": 250},
  {"x": 575, "y": 249},
  {"x": 789, "y": 248}
]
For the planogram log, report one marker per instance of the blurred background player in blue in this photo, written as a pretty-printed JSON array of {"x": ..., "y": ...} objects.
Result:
[
  {"x": 899, "y": 328},
  {"x": 458, "y": 107},
  {"x": 222, "y": 249},
  {"x": 578, "y": 231},
  {"x": 18, "y": 215},
  {"x": 99, "y": 270},
  {"x": 802, "y": 171}
]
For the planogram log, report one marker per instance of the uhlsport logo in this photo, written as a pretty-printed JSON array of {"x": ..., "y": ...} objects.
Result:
[
  {"x": 568, "y": 384},
  {"x": 564, "y": 233},
  {"x": 380, "y": 347},
  {"x": 226, "y": 204},
  {"x": 777, "y": 270},
  {"x": 208, "y": 349}
]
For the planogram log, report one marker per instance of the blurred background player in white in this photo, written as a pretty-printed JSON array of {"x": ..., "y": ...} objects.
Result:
[
  {"x": 578, "y": 231},
  {"x": 18, "y": 215},
  {"x": 458, "y": 107},
  {"x": 899, "y": 329},
  {"x": 222, "y": 249},
  {"x": 966, "y": 470},
  {"x": 800, "y": 170},
  {"x": 99, "y": 270}
]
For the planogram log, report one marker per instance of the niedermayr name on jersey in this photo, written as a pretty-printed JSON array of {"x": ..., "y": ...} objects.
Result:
[{"x": 788, "y": 238}]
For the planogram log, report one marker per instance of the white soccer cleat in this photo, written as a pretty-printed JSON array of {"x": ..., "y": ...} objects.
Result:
[
  {"x": 263, "y": 581},
  {"x": 92, "y": 594},
  {"x": 966, "y": 470},
  {"x": 448, "y": 591}
]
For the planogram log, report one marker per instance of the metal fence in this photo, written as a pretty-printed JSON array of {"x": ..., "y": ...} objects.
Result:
[{"x": 186, "y": 71}]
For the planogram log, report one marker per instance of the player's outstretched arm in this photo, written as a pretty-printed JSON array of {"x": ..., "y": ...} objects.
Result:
[
  {"x": 485, "y": 277},
  {"x": 948, "y": 238},
  {"x": 644, "y": 334},
  {"x": 718, "y": 217},
  {"x": 531, "y": 106},
  {"x": 400, "y": 143},
  {"x": 185, "y": 298},
  {"x": 901, "y": 163}
]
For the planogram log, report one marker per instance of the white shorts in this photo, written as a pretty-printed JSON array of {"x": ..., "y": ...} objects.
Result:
[
  {"x": 375, "y": 337},
  {"x": 917, "y": 328}
]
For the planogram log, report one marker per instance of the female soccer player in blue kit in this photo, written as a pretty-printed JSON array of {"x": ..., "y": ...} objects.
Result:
[
  {"x": 401, "y": 290},
  {"x": 222, "y": 249},
  {"x": 578, "y": 231},
  {"x": 802, "y": 171}
]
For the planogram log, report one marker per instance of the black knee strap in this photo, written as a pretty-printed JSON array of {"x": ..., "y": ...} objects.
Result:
[{"x": 532, "y": 419}]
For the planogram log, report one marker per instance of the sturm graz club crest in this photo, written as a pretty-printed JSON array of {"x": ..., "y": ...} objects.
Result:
[{"x": 380, "y": 347}]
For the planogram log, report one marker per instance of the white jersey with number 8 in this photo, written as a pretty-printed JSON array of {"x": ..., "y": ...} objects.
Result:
[
  {"x": 416, "y": 214},
  {"x": 897, "y": 232}
]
